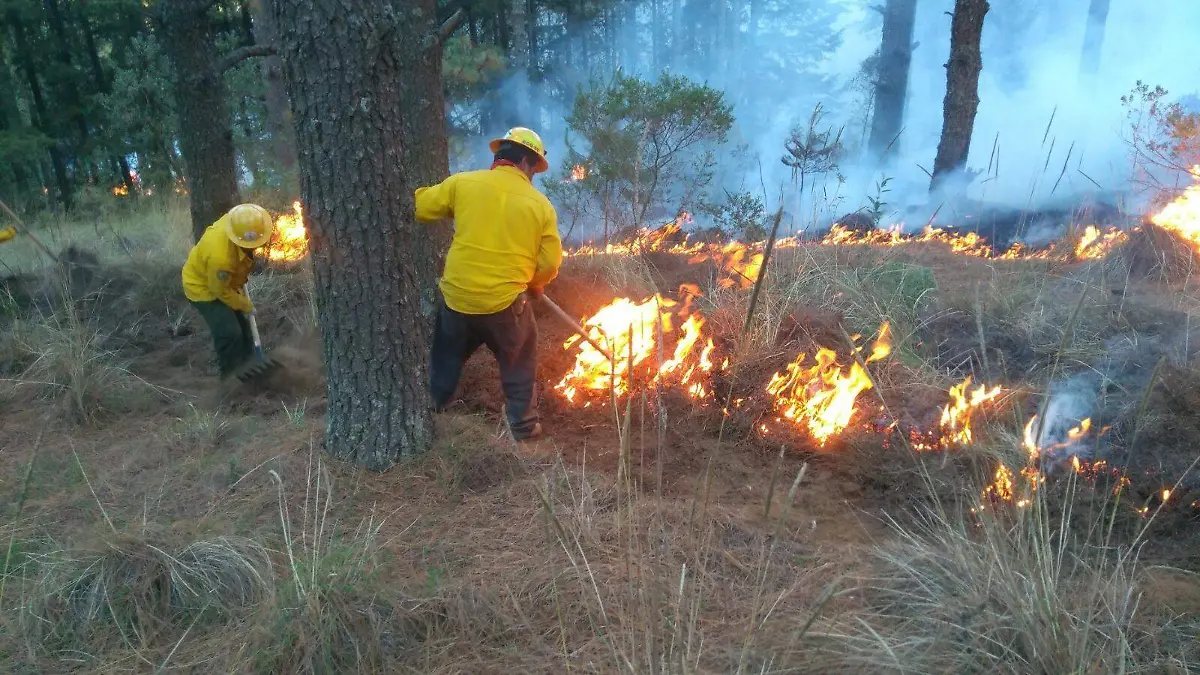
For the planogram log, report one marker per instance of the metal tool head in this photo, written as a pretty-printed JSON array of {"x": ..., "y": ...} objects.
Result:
[{"x": 257, "y": 369}]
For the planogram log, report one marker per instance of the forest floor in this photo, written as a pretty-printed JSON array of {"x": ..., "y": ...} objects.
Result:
[{"x": 154, "y": 520}]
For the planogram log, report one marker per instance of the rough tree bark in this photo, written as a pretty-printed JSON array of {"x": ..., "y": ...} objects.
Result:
[
  {"x": 962, "y": 90},
  {"x": 202, "y": 102},
  {"x": 365, "y": 85},
  {"x": 891, "y": 85},
  {"x": 1093, "y": 38}
]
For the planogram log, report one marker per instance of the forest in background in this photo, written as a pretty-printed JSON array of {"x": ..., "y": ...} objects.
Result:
[{"x": 109, "y": 96}]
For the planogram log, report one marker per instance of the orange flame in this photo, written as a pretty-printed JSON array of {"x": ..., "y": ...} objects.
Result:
[
  {"x": 578, "y": 173},
  {"x": 290, "y": 240},
  {"x": 634, "y": 332},
  {"x": 822, "y": 396},
  {"x": 1182, "y": 216},
  {"x": 1004, "y": 486},
  {"x": 1094, "y": 244},
  {"x": 121, "y": 190},
  {"x": 956, "y": 416}
]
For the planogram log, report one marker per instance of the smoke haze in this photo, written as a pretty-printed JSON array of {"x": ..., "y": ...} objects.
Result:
[{"x": 1037, "y": 113}]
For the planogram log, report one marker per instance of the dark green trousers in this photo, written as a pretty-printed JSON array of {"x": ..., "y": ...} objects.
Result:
[{"x": 230, "y": 333}]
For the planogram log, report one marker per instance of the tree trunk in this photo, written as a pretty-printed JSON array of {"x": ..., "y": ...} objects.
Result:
[
  {"x": 70, "y": 89},
  {"x": 104, "y": 86},
  {"x": 1093, "y": 38},
  {"x": 279, "y": 116},
  {"x": 962, "y": 90},
  {"x": 202, "y": 103},
  {"x": 40, "y": 115},
  {"x": 891, "y": 85},
  {"x": 366, "y": 92},
  {"x": 519, "y": 56}
]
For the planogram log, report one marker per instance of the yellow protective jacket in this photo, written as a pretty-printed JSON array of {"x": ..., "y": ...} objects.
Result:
[
  {"x": 505, "y": 237},
  {"x": 217, "y": 269}
]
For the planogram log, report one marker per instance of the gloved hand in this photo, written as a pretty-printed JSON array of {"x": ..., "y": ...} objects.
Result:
[{"x": 535, "y": 292}]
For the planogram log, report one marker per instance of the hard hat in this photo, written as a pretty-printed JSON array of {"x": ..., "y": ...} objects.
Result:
[
  {"x": 250, "y": 226},
  {"x": 527, "y": 138}
]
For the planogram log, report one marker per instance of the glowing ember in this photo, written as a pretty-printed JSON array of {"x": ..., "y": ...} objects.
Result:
[
  {"x": 290, "y": 240},
  {"x": 1004, "y": 486},
  {"x": 1182, "y": 216},
  {"x": 822, "y": 396},
  {"x": 956, "y": 416}
]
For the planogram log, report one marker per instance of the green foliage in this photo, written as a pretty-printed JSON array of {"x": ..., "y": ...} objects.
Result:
[
  {"x": 742, "y": 215},
  {"x": 649, "y": 144}
]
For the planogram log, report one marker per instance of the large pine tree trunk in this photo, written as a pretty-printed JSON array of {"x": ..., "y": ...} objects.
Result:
[
  {"x": 1093, "y": 38},
  {"x": 205, "y": 120},
  {"x": 962, "y": 90},
  {"x": 891, "y": 87},
  {"x": 366, "y": 92}
]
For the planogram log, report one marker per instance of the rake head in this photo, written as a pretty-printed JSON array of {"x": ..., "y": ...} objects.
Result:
[{"x": 257, "y": 369}]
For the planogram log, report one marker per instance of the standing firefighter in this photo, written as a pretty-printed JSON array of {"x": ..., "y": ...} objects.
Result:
[
  {"x": 214, "y": 280},
  {"x": 505, "y": 243}
]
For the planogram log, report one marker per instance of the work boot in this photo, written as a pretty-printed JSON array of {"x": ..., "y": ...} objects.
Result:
[{"x": 533, "y": 434}]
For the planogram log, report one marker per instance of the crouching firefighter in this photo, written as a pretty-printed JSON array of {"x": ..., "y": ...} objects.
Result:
[
  {"x": 506, "y": 248},
  {"x": 214, "y": 280}
]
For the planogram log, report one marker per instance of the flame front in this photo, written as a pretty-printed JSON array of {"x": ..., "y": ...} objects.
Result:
[
  {"x": 822, "y": 396},
  {"x": 1094, "y": 244},
  {"x": 634, "y": 332},
  {"x": 1182, "y": 216},
  {"x": 290, "y": 240}
]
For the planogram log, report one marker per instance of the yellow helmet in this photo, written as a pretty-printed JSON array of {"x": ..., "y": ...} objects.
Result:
[
  {"x": 527, "y": 138},
  {"x": 250, "y": 226}
]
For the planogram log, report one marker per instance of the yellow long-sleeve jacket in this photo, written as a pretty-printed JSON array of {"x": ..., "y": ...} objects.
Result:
[
  {"x": 217, "y": 269},
  {"x": 505, "y": 237}
]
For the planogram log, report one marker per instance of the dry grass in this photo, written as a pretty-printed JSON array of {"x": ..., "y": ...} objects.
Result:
[{"x": 676, "y": 553}]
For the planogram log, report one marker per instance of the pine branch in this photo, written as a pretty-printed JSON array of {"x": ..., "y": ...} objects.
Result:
[{"x": 240, "y": 54}]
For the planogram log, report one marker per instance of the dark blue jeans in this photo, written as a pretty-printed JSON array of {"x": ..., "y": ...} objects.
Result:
[{"x": 511, "y": 336}]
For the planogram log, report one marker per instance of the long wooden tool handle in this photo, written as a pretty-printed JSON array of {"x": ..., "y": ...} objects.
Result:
[
  {"x": 26, "y": 232},
  {"x": 566, "y": 318}
]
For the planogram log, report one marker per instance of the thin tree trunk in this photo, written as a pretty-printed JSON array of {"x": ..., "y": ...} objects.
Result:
[
  {"x": 40, "y": 116},
  {"x": 202, "y": 103},
  {"x": 1093, "y": 38},
  {"x": 366, "y": 91},
  {"x": 279, "y": 115},
  {"x": 70, "y": 88},
  {"x": 891, "y": 87},
  {"x": 519, "y": 56},
  {"x": 962, "y": 90},
  {"x": 104, "y": 84}
]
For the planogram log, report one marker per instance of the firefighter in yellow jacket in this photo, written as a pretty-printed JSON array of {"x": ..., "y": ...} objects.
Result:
[
  {"x": 505, "y": 243},
  {"x": 214, "y": 280}
]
